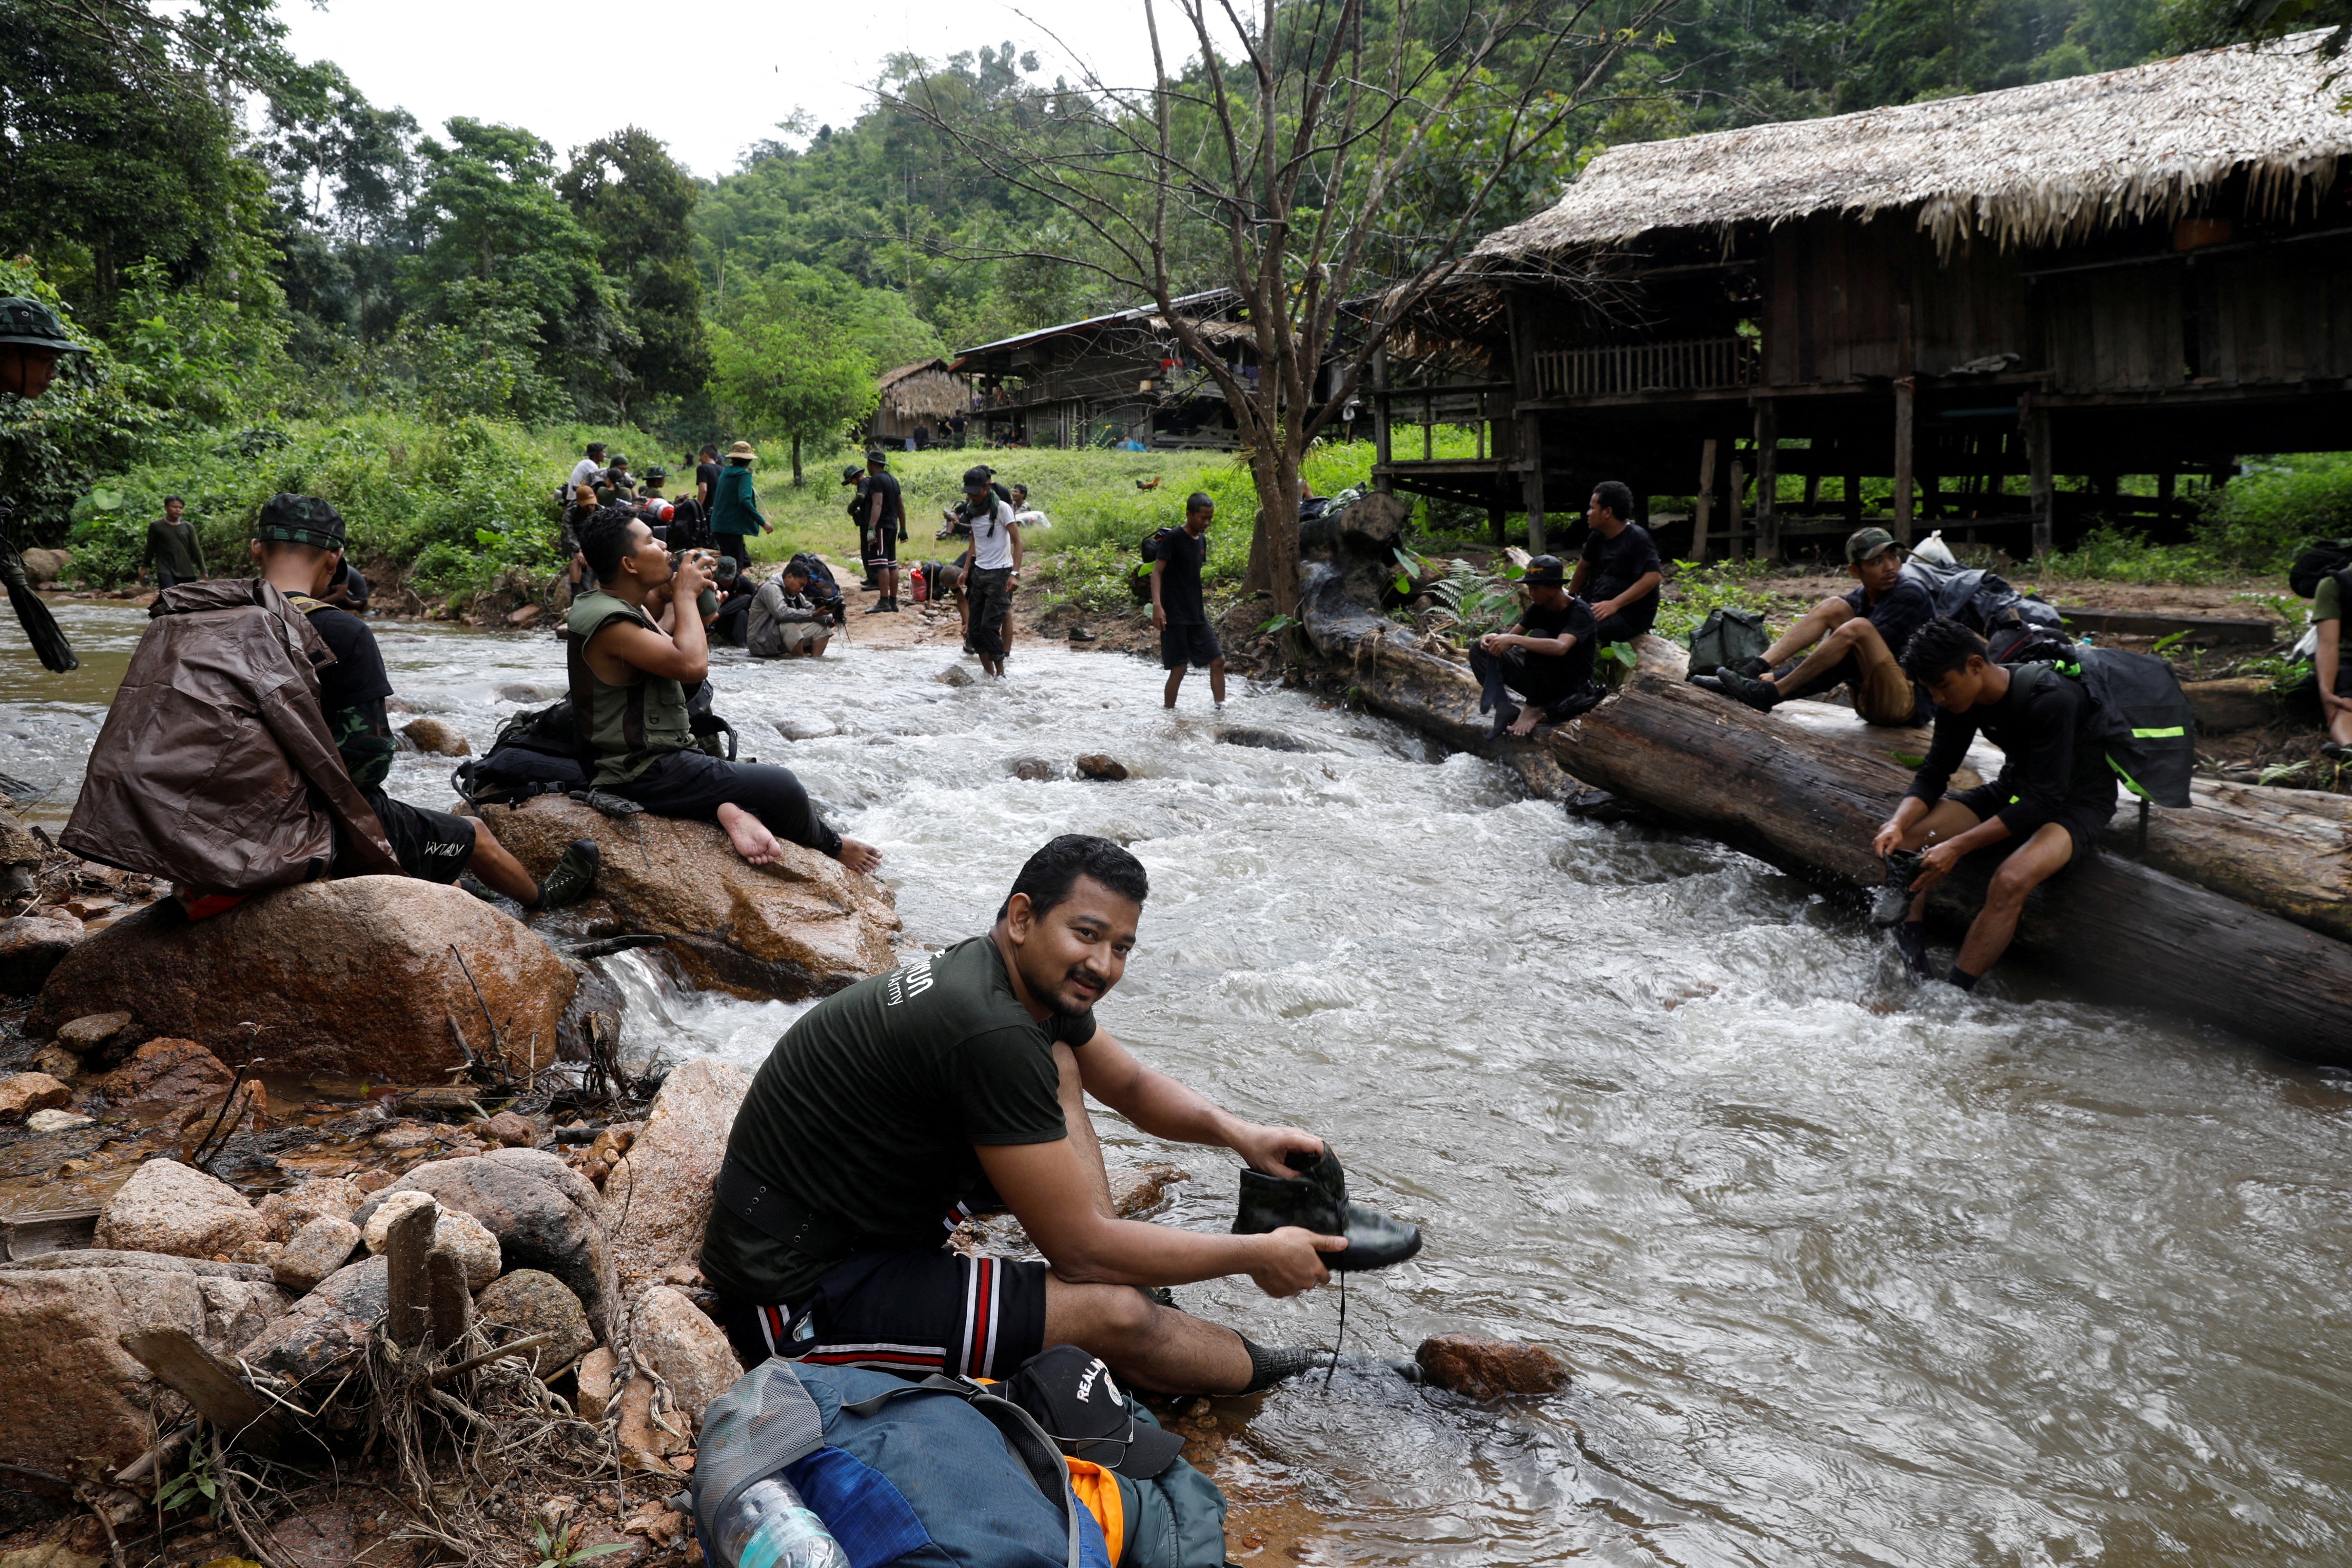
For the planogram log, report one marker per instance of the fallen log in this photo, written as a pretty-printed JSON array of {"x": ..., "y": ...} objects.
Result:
[
  {"x": 1807, "y": 794},
  {"x": 214, "y": 1387}
]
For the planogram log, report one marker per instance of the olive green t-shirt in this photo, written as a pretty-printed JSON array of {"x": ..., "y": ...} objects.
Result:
[
  {"x": 867, "y": 1109},
  {"x": 2327, "y": 600}
]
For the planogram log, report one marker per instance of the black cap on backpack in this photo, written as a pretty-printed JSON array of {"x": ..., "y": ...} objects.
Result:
[{"x": 1071, "y": 1393}]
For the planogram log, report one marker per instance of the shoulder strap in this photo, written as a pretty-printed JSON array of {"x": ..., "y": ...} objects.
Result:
[
  {"x": 583, "y": 681},
  {"x": 2023, "y": 680},
  {"x": 1037, "y": 1452}
]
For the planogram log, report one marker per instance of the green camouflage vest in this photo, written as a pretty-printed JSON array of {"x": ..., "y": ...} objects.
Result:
[{"x": 628, "y": 727}]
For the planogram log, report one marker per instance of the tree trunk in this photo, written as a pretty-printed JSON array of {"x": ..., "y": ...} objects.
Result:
[
  {"x": 1807, "y": 791},
  {"x": 797, "y": 480}
]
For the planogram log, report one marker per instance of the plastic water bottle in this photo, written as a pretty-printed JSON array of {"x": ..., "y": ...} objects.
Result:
[{"x": 770, "y": 1527}]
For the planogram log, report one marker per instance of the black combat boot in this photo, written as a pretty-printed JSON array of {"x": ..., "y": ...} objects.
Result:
[
  {"x": 573, "y": 876},
  {"x": 1892, "y": 906},
  {"x": 1317, "y": 1199}
]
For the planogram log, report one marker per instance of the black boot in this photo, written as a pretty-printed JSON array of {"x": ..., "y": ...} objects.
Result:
[
  {"x": 573, "y": 875},
  {"x": 1911, "y": 942},
  {"x": 1891, "y": 905},
  {"x": 1317, "y": 1199}
]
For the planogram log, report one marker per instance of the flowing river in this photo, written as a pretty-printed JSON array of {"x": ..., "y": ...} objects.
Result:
[{"x": 1846, "y": 1272}]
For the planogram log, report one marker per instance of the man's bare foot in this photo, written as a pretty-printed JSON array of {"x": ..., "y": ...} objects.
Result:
[
  {"x": 858, "y": 855},
  {"x": 1525, "y": 725},
  {"x": 752, "y": 839}
]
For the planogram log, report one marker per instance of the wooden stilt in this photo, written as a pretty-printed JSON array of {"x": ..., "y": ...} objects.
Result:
[
  {"x": 1703, "y": 503},
  {"x": 1768, "y": 480},
  {"x": 1532, "y": 479},
  {"x": 1735, "y": 544},
  {"x": 2037, "y": 460},
  {"x": 1905, "y": 393}
]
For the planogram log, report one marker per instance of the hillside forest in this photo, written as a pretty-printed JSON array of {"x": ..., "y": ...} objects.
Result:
[{"x": 286, "y": 286}]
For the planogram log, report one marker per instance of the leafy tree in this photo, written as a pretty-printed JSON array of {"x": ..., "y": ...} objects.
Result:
[
  {"x": 627, "y": 191},
  {"x": 499, "y": 240},
  {"x": 788, "y": 360}
]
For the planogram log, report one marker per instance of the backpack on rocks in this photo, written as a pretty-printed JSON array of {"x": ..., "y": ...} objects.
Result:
[{"x": 936, "y": 1474}]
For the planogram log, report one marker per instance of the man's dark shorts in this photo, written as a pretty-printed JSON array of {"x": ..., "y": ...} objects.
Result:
[
  {"x": 883, "y": 548},
  {"x": 431, "y": 846},
  {"x": 2083, "y": 824},
  {"x": 907, "y": 1312},
  {"x": 1187, "y": 642}
]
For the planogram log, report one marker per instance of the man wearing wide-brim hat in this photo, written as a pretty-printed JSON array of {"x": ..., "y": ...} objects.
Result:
[
  {"x": 31, "y": 341},
  {"x": 1857, "y": 640},
  {"x": 734, "y": 509}
]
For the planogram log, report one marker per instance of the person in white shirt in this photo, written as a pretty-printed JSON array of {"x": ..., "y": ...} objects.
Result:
[
  {"x": 995, "y": 573},
  {"x": 585, "y": 470}
]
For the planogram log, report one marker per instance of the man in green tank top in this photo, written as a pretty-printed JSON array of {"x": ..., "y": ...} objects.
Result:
[{"x": 631, "y": 672}]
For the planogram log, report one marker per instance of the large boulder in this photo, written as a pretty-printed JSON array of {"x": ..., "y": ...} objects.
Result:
[
  {"x": 314, "y": 1252},
  {"x": 659, "y": 1192},
  {"x": 172, "y": 1208},
  {"x": 73, "y": 1395},
  {"x": 31, "y": 947},
  {"x": 544, "y": 1214},
  {"x": 23, "y": 1093},
  {"x": 327, "y": 1332},
  {"x": 803, "y": 926},
  {"x": 359, "y": 978}
]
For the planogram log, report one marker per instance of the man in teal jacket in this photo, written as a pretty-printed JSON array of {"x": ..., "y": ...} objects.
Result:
[{"x": 735, "y": 511}]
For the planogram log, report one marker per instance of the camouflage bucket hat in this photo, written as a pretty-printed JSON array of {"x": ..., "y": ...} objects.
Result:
[
  {"x": 24, "y": 321},
  {"x": 300, "y": 520}
]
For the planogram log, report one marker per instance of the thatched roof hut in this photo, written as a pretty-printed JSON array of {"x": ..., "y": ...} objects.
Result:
[{"x": 2024, "y": 166}]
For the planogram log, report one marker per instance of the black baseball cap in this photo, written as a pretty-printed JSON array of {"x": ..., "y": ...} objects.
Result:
[
  {"x": 1546, "y": 569},
  {"x": 1071, "y": 1394}
]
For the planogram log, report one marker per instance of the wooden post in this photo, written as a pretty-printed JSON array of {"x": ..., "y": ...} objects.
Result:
[
  {"x": 2037, "y": 458},
  {"x": 214, "y": 1388},
  {"x": 1852, "y": 505},
  {"x": 448, "y": 1305},
  {"x": 1703, "y": 504},
  {"x": 1380, "y": 480},
  {"x": 1735, "y": 543},
  {"x": 1767, "y": 479},
  {"x": 1906, "y": 396},
  {"x": 1495, "y": 524},
  {"x": 408, "y": 1291},
  {"x": 1531, "y": 478}
]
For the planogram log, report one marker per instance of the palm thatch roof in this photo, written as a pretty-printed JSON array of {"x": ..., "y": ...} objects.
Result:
[
  {"x": 2024, "y": 166},
  {"x": 929, "y": 386}
]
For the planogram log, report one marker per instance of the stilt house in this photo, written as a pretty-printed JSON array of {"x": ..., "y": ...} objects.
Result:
[
  {"x": 1114, "y": 378},
  {"x": 1944, "y": 306}
]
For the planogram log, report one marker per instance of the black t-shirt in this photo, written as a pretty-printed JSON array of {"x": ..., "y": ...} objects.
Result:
[
  {"x": 2052, "y": 761},
  {"x": 1617, "y": 563},
  {"x": 858, "y": 504},
  {"x": 351, "y": 692},
  {"x": 1572, "y": 670},
  {"x": 894, "y": 508},
  {"x": 1179, "y": 578},
  {"x": 707, "y": 474},
  {"x": 867, "y": 1109}
]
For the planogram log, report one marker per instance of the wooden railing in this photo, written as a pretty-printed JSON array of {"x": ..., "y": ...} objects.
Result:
[{"x": 1690, "y": 365}]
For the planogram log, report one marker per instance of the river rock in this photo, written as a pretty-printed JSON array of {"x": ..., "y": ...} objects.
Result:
[
  {"x": 313, "y": 1253},
  {"x": 531, "y": 1301},
  {"x": 512, "y": 1130},
  {"x": 1139, "y": 1189},
  {"x": 56, "y": 1121},
  {"x": 31, "y": 946},
  {"x": 355, "y": 978},
  {"x": 597, "y": 1369},
  {"x": 519, "y": 693},
  {"x": 522, "y": 617},
  {"x": 803, "y": 926},
  {"x": 166, "y": 1072},
  {"x": 23, "y": 1093},
  {"x": 172, "y": 1208},
  {"x": 454, "y": 1230},
  {"x": 1106, "y": 769},
  {"x": 63, "y": 1066},
  {"x": 953, "y": 674},
  {"x": 807, "y": 729},
  {"x": 1482, "y": 1368},
  {"x": 431, "y": 735},
  {"x": 543, "y": 1213},
  {"x": 327, "y": 1331},
  {"x": 73, "y": 1395},
  {"x": 672, "y": 1336},
  {"x": 1033, "y": 768},
  {"x": 659, "y": 1192},
  {"x": 99, "y": 1035},
  {"x": 1263, "y": 739}
]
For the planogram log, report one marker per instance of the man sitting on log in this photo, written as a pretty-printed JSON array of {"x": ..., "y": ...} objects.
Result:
[
  {"x": 2052, "y": 798},
  {"x": 1856, "y": 639},
  {"x": 1547, "y": 658},
  {"x": 1619, "y": 572},
  {"x": 895, "y": 1109},
  {"x": 628, "y": 690}
]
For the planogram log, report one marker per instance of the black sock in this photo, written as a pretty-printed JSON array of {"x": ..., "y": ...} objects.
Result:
[
  {"x": 1268, "y": 1367},
  {"x": 1962, "y": 978}
]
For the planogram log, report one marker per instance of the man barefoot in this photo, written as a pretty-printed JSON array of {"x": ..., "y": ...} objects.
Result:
[
  {"x": 1186, "y": 637},
  {"x": 628, "y": 688},
  {"x": 1547, "y": 656},
  {"x": 895, "y": 1107}
]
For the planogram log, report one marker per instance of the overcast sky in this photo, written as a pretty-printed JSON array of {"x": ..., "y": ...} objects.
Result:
[{"x": 708, "y": 78}]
